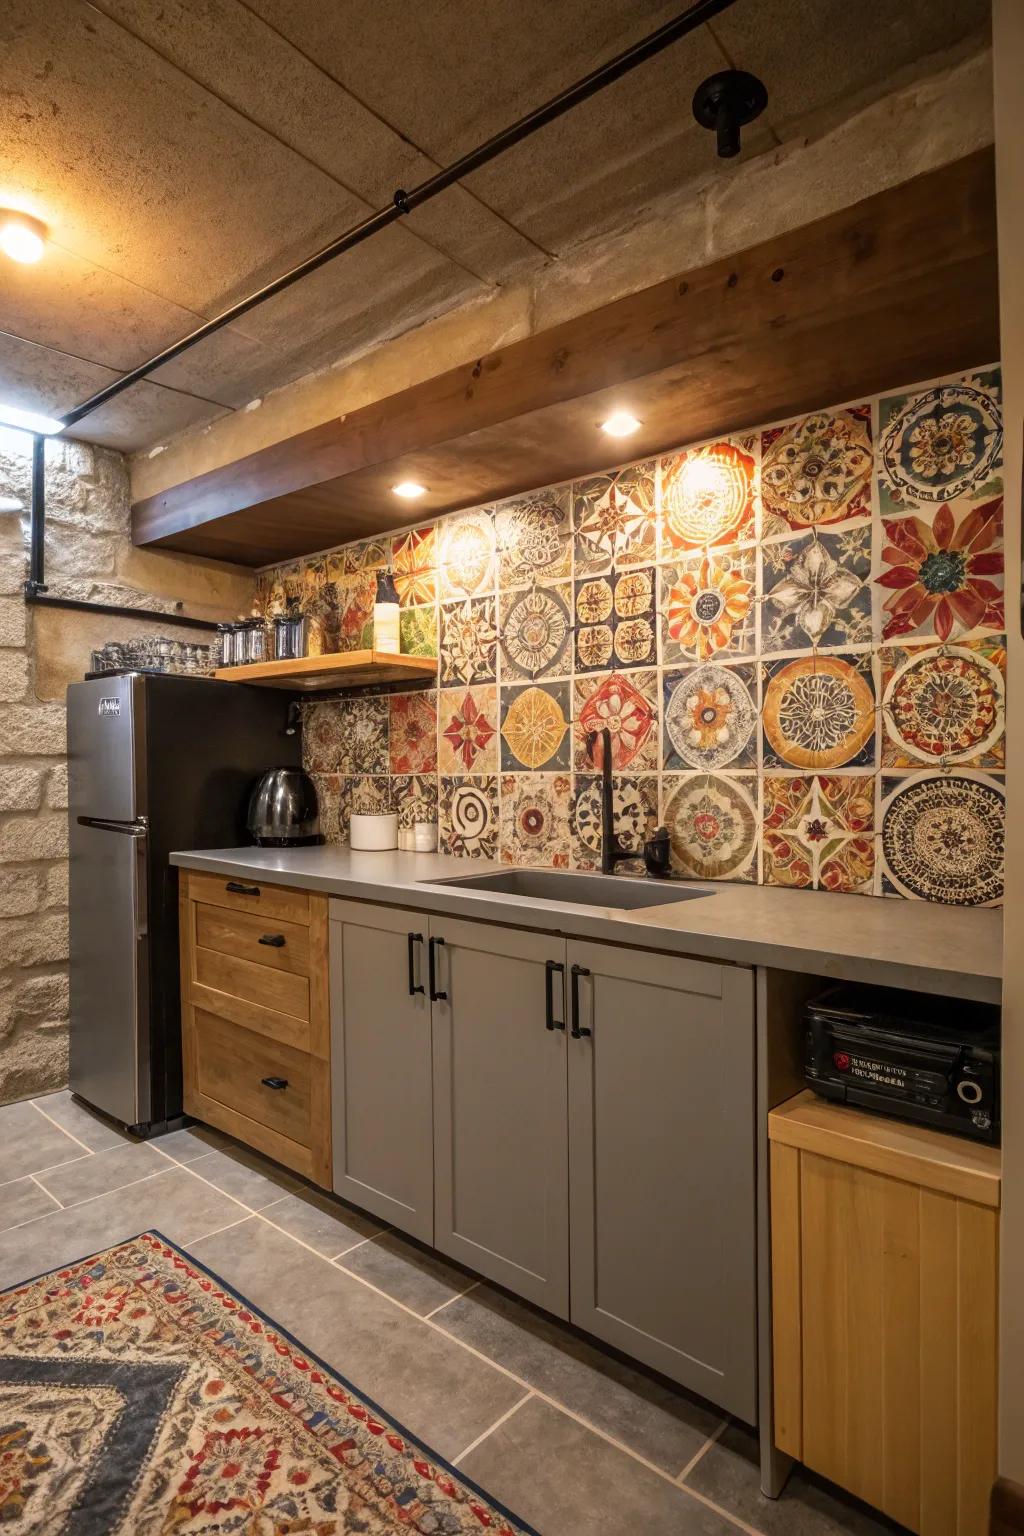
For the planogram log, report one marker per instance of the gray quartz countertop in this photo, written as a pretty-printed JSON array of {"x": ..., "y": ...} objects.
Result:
[{"x": 948, "y": 950}]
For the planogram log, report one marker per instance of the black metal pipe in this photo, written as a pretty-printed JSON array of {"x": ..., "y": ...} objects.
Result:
[
  {"x": 37, "y": 516},
  {"x": 40, "y": 598},
  {"x": 404, "y": 202}
]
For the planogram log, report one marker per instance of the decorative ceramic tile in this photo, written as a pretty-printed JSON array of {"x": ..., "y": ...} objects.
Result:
[
  {"x": 535, "y": 632},
  {"x": 615, "y": 625},
  {"x": 535, "y": 819},
  {"x": 942, "y": 838},
  {"x": 710, "y": 717},
  {"x": 627, "y": 706},
  {"x": 414, "y": 562},
  {"x": 534, "y": 538},
  {"x": 535, "y": 727},
  {"x": 364, "y": 735},
  {"x": 466, "y": 554},
  {"x": 469, "y": 642},
  {"x": 615, "y": 519},
  {"x": 415, "y": 798},
  {"x": 818, "y": 713},
  {"x": 816, "y": 470},
  {"x": 817, "y": 591},
  {"x": 707, "y": 496},
  {"x": 713, "y": 824},
  {"x": 366, "y": 555},
  {"x": 370, "y": 794},
  {"x": 468, "y": 730},
  {"x": 413, "y": 732},
  {"x": 944, "y": 705},
  {"x": 355, "y": 595},
  {"x": 819, "y": 832},
  {"x": 943, "y": 571},
  {"x": 322, "y": 738},
  {"x": 707, "y": 606},
  {"x": 941, "y": 443},
  {"x": 333, "y": 796},
  {"x": 635, "y": 803},
  {"x": 417, "y": 629},
  {"x": 468, "y": 816}
]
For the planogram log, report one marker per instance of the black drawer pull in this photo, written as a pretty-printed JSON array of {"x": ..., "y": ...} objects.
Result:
[
  {"x": 550, "y": 967},
  {"x": 576, "y": 972},
  {"x": 414, "y": 986},
  {"x": 435, "y": 995},
  {"x": 274, "y": 1082},
  {"x": 275, "y": 940},
  {"x": 239, "y": 889}
]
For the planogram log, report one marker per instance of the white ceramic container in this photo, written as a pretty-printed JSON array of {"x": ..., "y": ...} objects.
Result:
[{"x": 373, "y": 833}]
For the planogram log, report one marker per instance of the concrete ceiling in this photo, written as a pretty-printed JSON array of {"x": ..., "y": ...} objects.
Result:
[{"x": 184, "y": 152}]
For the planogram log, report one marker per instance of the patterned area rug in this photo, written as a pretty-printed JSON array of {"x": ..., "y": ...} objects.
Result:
[{"x": 140, "y": 1394}]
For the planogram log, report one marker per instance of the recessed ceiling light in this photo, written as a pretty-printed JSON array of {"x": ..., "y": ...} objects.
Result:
[
  {"x": 29, "y": 421},
  {"x": 22, "y": 237},
  {"x": 409, "y": 490},
  {"x": 620, "y": 424}
]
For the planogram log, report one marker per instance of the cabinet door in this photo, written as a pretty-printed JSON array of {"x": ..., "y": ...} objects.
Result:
[
  {"x": 661, "y": 1116},
  {"x": 500, "y": 1133},
  {"x": 380, "y": 1020}
]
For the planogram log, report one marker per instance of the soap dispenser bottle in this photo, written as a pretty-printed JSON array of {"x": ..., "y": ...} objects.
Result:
[{"x": 386, "y": 630}]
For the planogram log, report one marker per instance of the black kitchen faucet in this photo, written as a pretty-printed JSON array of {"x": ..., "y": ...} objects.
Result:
[{"x": 612, "y": 850}]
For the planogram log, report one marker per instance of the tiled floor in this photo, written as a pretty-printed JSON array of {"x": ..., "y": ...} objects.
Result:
[{"x": 575, "y": 1441}]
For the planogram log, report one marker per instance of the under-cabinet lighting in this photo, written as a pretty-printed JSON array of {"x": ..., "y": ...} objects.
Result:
[
  {"x": 29, "y": 421},
  {"x": 22, "y": 237},
  {"x": 620, "y": 424},
  {"x": 409, "y": 490}
]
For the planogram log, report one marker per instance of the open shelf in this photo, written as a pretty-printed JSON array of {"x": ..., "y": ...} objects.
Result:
[{"x": 340, "y": 669}]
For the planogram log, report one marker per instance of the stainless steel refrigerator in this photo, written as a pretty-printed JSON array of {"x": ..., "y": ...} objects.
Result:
[{"x": 155, "y": 763}]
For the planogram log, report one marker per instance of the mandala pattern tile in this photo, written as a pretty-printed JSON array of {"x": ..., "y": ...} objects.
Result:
[
  {"x": 626, "y": 704},
  {"x": 941, "y": 443},
  {"x": 534, "y": 538},
  {"x": 707, "y": 606},
  {"x": 468, "y": 730},
  {"x": 469, "y": 642},
  {"x": 468, "y": 816},
  {"x": 615, "y": 622},
  {"x": 615, "y": 519},
  {"x": 710, "y": 717},
  {"x": 818, "y": 712},
  {"x": 713, "y": 825},
  {"x": 413, "y": 732},
  {"x": 943, "y": 571},
  {"x": 707, "y": 497},
  {"x": 817, "y": 591},
  {"x": 942, "y": 838},
  {"x": 323, "y": 744},
  {"x": 466, "y": 554},
  {"x": 415, "y": 798},
  {"x": 819, "y": 832},
  {"x": 418, "y": 631},
  {"x": 535, "y": 631},
  {"x": 944, "y": 705},
  {"x": 535, "y": 727},
  {"x": 414, "y": 562},
  {"x": 535, "y": 819},
  {"x": 635, "y": 802},
  {"x": 817, "y": 470}
]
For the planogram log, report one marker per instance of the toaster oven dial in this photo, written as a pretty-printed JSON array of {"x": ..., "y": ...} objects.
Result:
[{"x": 969, "y": 1092}]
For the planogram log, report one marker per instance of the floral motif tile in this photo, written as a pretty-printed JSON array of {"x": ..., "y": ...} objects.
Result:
[
  {"x": 418, "y": 631},
  {"x": 819, "y": 832},
  {"x": 712, "y": 821},
  {"x": 625, "y": 704},
  {"x": 943, "y": 838},
  {"x": 818, "y": 712},
  {"x": 635, "y": 804},
  {"x": 370, "y": 794},
  {"x": 467, "y": 737},
  {"x": 707, "y": 496},
  {"x": 322, "y": 738},
  {"x": 817, "y": 591},
  {"x": 941, "y": 443},
  {"x": 469, "y": 642},
  {"x": 414, "y": 562},
  {"x": 466, "y": 554},
  {"x": 817, "y": 470},
  {"x": 468, "y": 816},
  {"x": 355, "y": 594},
  {"x": 535, "y": 819},
  {"x": 535, "y": 632},
  {"x": 615, "y": 519},
  {"x": 364, "y": 735},
  {"x": 412, "y": 732},
  {"x": 615, "y": 621},
  {"x": 944, "y": 705},
  {"x": 942, "y": 571},
  {"x": 534, "y": 538},
  {"x": 707, "y": 606},
  {"x": 710, "y": 717},
  {"x": 535, "y": 727},
  {"x": 415, "y": 798},
  {"x": 333, "y": 792}
]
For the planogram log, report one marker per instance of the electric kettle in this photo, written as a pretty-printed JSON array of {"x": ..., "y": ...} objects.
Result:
[{"x": 283, "y": 810}]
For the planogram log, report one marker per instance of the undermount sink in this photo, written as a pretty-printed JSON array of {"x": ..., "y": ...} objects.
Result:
[{"x": 628, "y": 893}]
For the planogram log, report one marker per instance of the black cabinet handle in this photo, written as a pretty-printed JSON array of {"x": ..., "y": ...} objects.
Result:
[
  {"x": 575, "y": 973},
  {"x": 275, "y": 940},
  {"x": 551, "y": 967},
  {"x": 435, "y": 995},
  {"x": 274, "y": 1082},
  {"x": 414, "y": 939},
  {"x": 242, "y": 890}
]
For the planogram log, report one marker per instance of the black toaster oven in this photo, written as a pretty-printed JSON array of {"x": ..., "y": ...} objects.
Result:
[{"x": 931, "y": 1059}]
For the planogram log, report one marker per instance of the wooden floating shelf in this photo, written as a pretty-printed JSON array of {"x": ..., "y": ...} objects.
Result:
[{"x": 340, "y": 669}]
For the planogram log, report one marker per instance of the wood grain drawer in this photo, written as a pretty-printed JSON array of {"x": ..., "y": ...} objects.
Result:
[
  {"x": 255, "y": 937},
  {"x": 260, "y": 984},
  {"x": 231, "y": 1065},
  {"x": 242, "y": 895}
]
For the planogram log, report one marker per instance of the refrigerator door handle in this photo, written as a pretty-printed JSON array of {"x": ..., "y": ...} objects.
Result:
[{"x": 126, "y": 828}]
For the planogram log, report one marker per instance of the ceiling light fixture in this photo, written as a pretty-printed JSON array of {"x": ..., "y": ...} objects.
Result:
[
  {"x": 22, "y": 237},
  {"x": 29, "y": 421},
  {"x": 409, "y": 490},
  {"x": 620, "y": 424}
]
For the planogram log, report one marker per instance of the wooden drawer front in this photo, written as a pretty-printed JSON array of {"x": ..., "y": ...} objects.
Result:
[
  {"x": 241, "y": 934},
  {"x": 243, "y": 895},
  {"x": 280, "y": 990},
  {"x": 231, "y": 1063}
]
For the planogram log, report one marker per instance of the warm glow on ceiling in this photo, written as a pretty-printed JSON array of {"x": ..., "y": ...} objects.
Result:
[
  {"x": 620, "y": 424},
  {"x": 22, "y": 237},
  {"x": 409, "y": 490}
]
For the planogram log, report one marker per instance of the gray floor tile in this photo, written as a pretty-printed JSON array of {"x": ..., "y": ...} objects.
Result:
[
  {"x": 192, "y": 1142},
  {"x": 23, "y": 1200},
  {"x": 728, "y": 1474},
  {"x": 245, "y": 1175},
  {"x": 653, "y": 1419},
  {"x": 436, "y": 1389},
  {"x": 322, "y": 1223},
  {"x": 102, "y": 1172},
  {"x": 29, "y": 1142},
  {"x": 83, "y": 1123},
  {"x": 566, "y": 1481},
  {"x": 419, "y": 1280}
]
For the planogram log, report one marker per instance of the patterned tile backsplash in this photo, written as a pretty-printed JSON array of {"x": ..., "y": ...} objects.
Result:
[{"x": 795, "y": 637}]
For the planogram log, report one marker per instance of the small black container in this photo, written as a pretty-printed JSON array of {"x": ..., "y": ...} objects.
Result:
[
  {"x": 283, "y": 810},
  {"x": 658, "y": 853}
]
